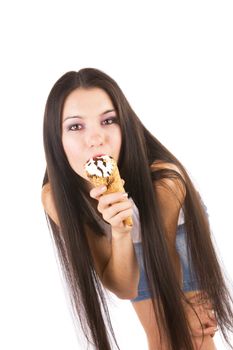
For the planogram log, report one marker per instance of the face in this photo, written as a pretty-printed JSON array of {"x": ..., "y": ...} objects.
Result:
[{"x": 89, "y": 127}]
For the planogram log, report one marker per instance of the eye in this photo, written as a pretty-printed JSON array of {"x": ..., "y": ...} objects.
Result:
[
  {"x": 75, "y": 127},
  {"x": 110, "y": 121}
]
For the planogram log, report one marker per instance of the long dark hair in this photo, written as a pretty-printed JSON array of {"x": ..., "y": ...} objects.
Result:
[{"x": 74, "y": 208}]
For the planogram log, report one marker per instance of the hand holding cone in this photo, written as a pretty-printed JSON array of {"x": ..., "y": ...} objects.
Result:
[{"x": 103, "y": 170}]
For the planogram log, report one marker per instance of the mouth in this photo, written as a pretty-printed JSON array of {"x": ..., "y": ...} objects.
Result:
[{"x": 98, "y": 155}]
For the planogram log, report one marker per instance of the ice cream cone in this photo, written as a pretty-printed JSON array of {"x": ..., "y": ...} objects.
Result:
[{"x": 103, "y": 170}]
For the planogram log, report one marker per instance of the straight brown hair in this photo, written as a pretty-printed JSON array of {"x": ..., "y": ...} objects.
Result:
[{"x": 74, "y": 208}]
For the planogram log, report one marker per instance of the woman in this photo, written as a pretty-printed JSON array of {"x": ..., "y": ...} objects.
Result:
[{"x": 165, "y": 264}]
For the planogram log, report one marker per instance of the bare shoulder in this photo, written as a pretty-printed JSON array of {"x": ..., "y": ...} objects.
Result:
[
  {"x": 159, "y": 164},
  {"x": 174, "y": 184},
  {"x": 170, "y": 194},
  {"x": 100, "y": 247},
  {"x": 48, "y": 203},
  {"x": 45, "y": 194}
]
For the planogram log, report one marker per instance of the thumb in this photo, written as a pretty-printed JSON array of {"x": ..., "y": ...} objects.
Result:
[{"x": 123, "y": 181}]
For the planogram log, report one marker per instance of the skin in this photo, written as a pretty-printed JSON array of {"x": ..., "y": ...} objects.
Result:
[{"x": 96, "y": 132}]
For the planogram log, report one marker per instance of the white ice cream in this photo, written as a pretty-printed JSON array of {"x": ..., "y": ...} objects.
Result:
[{"x": 99, "y": 166}]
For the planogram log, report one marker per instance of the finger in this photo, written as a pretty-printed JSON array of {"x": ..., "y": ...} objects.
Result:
[
  {"x": 111, "y": 198},
  {"x": 110, "y": 212},
  {"x": 96, "y": 192},
  {"x": 205, "y": 331},
  {"x": 207, "y": 316},
  {"x": 205, "y": 310},
  {"x": 206, "y": 303},
  {"x": 207, "y": 319},
  {"x": 200, "y": 298},
  {"x": 212, "y": 316},
  {"x": 123, "y": 181},
  {"x": 118, "y": 219},
  {"x": 211, "y": 322},
  {"x": 213, "y": 334}
]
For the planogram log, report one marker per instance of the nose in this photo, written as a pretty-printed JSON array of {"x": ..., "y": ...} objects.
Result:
[{"x": 95, "y": 138}]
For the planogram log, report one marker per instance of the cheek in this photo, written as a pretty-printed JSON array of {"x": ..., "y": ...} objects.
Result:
[
  {"x": 117, "y": 139},
  {"x": 71, "y": 149},
  {"x": 67, "y": 146}
]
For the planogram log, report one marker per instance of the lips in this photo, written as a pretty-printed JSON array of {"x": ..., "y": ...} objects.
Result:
[{"x": 98, "y": 155}]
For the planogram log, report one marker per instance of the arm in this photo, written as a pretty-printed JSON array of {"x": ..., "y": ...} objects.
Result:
[
  {"x": 115, "y": 263},
  {"x": 121, "y": 274}
]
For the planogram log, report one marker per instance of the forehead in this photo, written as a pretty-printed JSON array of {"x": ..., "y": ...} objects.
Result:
[{"x": 84, "y": 102}]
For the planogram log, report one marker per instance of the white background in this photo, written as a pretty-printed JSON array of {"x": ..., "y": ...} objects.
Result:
[{"x": 173, "y": 60}]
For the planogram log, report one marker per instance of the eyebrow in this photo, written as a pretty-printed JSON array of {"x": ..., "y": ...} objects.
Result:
[{"x": 78, "y": 116}]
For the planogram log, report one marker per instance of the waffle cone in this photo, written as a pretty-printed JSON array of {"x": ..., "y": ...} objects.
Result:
[{"x": 113, "y": 184}]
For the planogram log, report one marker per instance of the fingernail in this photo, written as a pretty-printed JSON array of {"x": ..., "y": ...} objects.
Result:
[{"x": 124, "y": 195}]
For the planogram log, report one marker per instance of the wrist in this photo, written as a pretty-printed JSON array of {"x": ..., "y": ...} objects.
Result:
[{"x": 116, "y": 235}]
